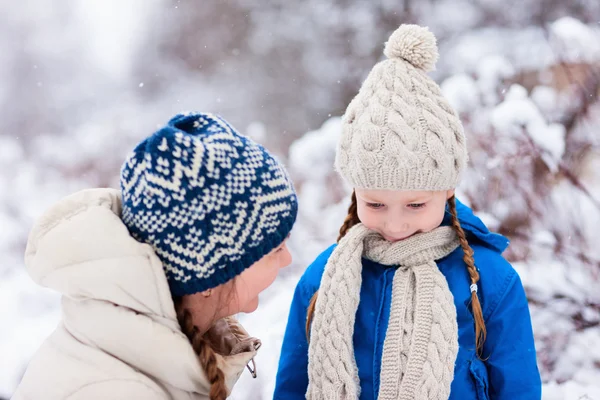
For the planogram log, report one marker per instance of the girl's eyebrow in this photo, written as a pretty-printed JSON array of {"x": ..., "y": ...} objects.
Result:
[
  {"x": 421, "y": 199},
  {"x": 369, "y": 199}
]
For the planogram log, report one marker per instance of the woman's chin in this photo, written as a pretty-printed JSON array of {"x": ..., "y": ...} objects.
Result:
[{"x": 251, "y": 306}]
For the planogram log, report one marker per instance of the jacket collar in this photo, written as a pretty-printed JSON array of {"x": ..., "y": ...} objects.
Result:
[
  {"x": 476, "y": 229},
  {"x": 116, "y": 297}
]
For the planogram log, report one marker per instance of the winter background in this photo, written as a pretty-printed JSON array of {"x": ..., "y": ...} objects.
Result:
[{"x": 82, "y": 82}]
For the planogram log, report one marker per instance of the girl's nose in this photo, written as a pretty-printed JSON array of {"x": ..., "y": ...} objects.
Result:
[{"x": 396, "y": 228}]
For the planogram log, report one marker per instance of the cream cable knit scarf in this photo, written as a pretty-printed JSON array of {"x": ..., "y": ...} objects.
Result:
[{"x": 422, "y": 336}]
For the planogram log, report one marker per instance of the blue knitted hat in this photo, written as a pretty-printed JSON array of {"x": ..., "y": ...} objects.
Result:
[{"x": 210, "y": 201}]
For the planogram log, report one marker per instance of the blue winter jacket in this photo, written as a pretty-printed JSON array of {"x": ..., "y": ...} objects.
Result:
[{"x": 509, "y": 370}]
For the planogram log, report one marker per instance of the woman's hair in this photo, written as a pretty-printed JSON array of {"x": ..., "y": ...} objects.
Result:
[
  {"x": 206, "y": 355},
  {"x": 480, "y": 331}
]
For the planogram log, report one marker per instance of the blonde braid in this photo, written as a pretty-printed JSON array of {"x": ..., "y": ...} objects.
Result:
[
  {"x": 480, "y": 331},
  {"x": 206, "y": 355}
]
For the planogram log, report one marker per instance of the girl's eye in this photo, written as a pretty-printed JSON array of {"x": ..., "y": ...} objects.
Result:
[
  {"x": 374, "y": 205},
  {"x": 416, "y": 206}
]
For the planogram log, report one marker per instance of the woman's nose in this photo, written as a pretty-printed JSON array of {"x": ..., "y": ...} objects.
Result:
[{"x": 286, "y": 259}]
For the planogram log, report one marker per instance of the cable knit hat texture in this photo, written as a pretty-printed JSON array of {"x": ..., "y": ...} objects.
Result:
[
  {"x": 399, "y": 132},
  {"x": 210, "y": 201}
]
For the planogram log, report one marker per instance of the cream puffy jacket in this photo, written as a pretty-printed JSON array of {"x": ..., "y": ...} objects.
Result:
[{"x": 119, "y": 337}]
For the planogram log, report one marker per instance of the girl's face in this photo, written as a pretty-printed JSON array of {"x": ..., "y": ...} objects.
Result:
[
  {"x": 397, "y": 215},
  {"x": 253, "y": 280}
]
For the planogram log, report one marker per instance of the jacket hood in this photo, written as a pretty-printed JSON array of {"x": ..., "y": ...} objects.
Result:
[
  {"x": 476, "y": 229},
  {"x": 80, "y": 248},
  {"x": 115, "y": 293}
]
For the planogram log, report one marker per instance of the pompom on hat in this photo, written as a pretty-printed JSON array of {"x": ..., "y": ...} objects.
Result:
[{"x": 399, "y": 132}]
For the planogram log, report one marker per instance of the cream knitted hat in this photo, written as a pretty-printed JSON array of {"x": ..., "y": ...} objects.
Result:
[{"x": 399, "y": 132}]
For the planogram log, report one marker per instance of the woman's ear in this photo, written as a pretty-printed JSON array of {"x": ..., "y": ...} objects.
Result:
[{"x": 450, "y": 194}]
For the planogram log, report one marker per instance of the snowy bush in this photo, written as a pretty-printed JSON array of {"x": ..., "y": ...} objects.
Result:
[{"x": 77, "y": 96}]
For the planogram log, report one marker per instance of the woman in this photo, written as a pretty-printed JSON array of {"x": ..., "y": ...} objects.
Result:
[{"x": 150, "y": 275}]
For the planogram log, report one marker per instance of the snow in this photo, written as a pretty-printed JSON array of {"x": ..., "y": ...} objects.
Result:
[
  {"x": 462, "y": 92},
  {"x": 274, "y": 305},
  {"x": 109, "y": 49},
  {"x": 11, "y": 151},
  {"x": 312, "y": 156},
  {"x": 517, "y": 111},
  {"x": 34, "y": 313},
  {"x": 524, "y": 48},
  {"x": 546, "y": 99},
  {"x": 256, "y": 131},
  {"x": 570, "y": 391},
  {"x": 445, "y": 15},
  {"x": 575, "y": 41},
  {"x": 83, "y": 84},
  {"x": 492, "y": 71}
]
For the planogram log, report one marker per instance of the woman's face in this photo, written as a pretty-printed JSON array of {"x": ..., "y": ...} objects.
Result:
[
  {"x": 239, "y": 294},
  {"x": 253, "y": 280}
]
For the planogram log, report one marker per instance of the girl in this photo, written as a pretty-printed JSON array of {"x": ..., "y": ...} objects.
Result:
[
  {"x": 415, "y": 301},
  {"x": 151, "y": 275}
]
